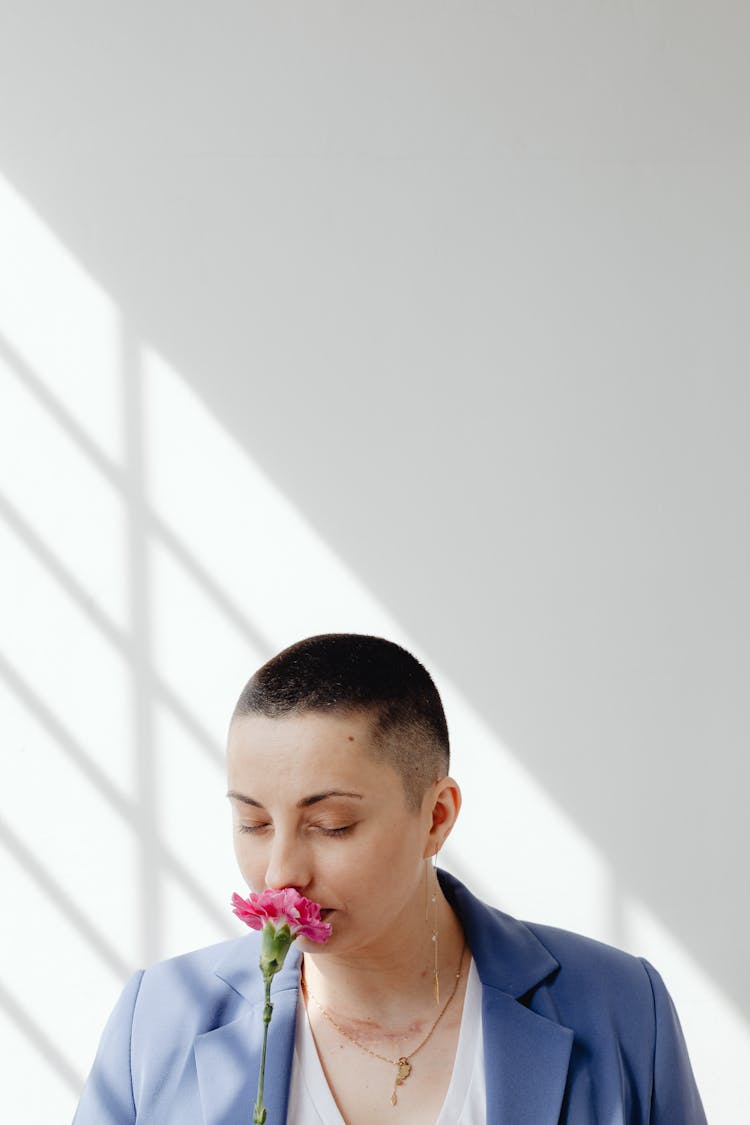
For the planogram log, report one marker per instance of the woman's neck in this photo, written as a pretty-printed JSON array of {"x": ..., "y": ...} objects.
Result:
[{"x": 396, "y": 978}]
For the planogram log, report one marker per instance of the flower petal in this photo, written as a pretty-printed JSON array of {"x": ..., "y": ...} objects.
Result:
[{"x": 283, "y": 907}]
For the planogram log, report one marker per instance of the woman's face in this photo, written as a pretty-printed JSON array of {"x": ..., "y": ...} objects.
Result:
[{"x": 314, "y": 810}]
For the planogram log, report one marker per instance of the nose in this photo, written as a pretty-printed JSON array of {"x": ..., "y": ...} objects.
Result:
[{"x": 287, "y": 865}]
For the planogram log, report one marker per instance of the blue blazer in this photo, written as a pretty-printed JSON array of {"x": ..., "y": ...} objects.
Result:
[{"x": 575, "y": 1033}]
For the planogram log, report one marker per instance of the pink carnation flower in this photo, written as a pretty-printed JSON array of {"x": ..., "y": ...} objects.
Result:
[
  {"x": 284, "y": 907},
  {"x": 281, "y": 916}
]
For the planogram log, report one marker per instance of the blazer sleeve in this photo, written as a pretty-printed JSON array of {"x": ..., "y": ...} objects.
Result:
[
  {"x": 107, "y": 1097},
  {"x": 674, "y": 1095}
]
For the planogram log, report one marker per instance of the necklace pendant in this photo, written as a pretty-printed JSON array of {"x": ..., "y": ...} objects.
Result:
[{"x": 403, "y": 1072}]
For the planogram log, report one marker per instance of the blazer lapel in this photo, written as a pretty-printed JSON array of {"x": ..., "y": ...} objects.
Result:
[
  {"x": 228, "y": 1058},
  {"x": 526, "y": 1062},
  {"x": 526, "y": 1055}
]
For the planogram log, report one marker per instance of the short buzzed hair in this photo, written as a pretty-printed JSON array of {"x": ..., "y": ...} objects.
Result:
[{"x": 351, "y": 672}]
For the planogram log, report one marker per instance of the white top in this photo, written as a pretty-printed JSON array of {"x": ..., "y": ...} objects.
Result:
[{"x": 311, "y": 1101}]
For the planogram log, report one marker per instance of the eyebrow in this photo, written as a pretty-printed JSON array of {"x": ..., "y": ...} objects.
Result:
[{"x": 304, "y": 803}]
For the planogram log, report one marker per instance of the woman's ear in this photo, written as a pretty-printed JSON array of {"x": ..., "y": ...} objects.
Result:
[{"x": 442, "y": 805}]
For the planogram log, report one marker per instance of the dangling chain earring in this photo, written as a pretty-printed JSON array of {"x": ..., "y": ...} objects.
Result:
[
  {"x": 431, "y": 896},
  {"x": 436, "y": 971}
]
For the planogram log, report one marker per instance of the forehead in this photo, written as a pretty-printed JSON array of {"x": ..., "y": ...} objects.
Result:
[{"x": 334, "y": 745}]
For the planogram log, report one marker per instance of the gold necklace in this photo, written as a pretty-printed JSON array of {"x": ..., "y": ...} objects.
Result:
[{"x": 403, "y": 1063}]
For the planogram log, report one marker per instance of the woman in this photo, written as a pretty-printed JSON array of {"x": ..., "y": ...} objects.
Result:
[{"x": 425, "y": 1005}]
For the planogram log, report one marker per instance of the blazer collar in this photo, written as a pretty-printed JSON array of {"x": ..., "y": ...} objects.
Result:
[
  {"x": 239, "y": 969},
  {"x": 228, "y": 1058},
  {"x": 507, "y": 954},
  {"x": 526, "y": 1055}
]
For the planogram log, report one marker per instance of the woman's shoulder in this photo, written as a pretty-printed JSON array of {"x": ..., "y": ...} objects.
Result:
[
  {"x": 591, "y": 971},
  {"x": 198, "y": 988},
  {"x": 578, "y": 953},
  {"x": 210, "y": 982},
  {"x": 520, "y": 956},
  {"x": 204, "y": 960}
]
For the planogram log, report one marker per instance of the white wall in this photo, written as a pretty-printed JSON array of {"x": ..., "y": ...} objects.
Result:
[{"x": 422, "y": 319}]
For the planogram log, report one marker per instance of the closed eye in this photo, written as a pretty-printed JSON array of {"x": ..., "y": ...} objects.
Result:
[{"x": 318, "y": 828}]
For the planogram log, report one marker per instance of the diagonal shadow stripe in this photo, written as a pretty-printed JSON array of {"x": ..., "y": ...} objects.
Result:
[
  {"x": 62, "y": 737},
  {"x": 118, "y": 478},
  {"x": 125, "y": 808},
  {"x": 203, "y": 580},
  {"x": 114, "y": 635},
  {"x": 24, "y": 373},
  {"x": 39, "y": 1040},
  {"x": 65, "y": 905}
]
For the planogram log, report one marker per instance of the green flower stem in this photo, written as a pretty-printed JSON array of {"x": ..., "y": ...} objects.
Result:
[{"x": 259, "y": 1110}]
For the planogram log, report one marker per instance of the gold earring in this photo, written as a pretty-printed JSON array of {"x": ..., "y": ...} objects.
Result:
[{"x": 436, "y": 970}]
